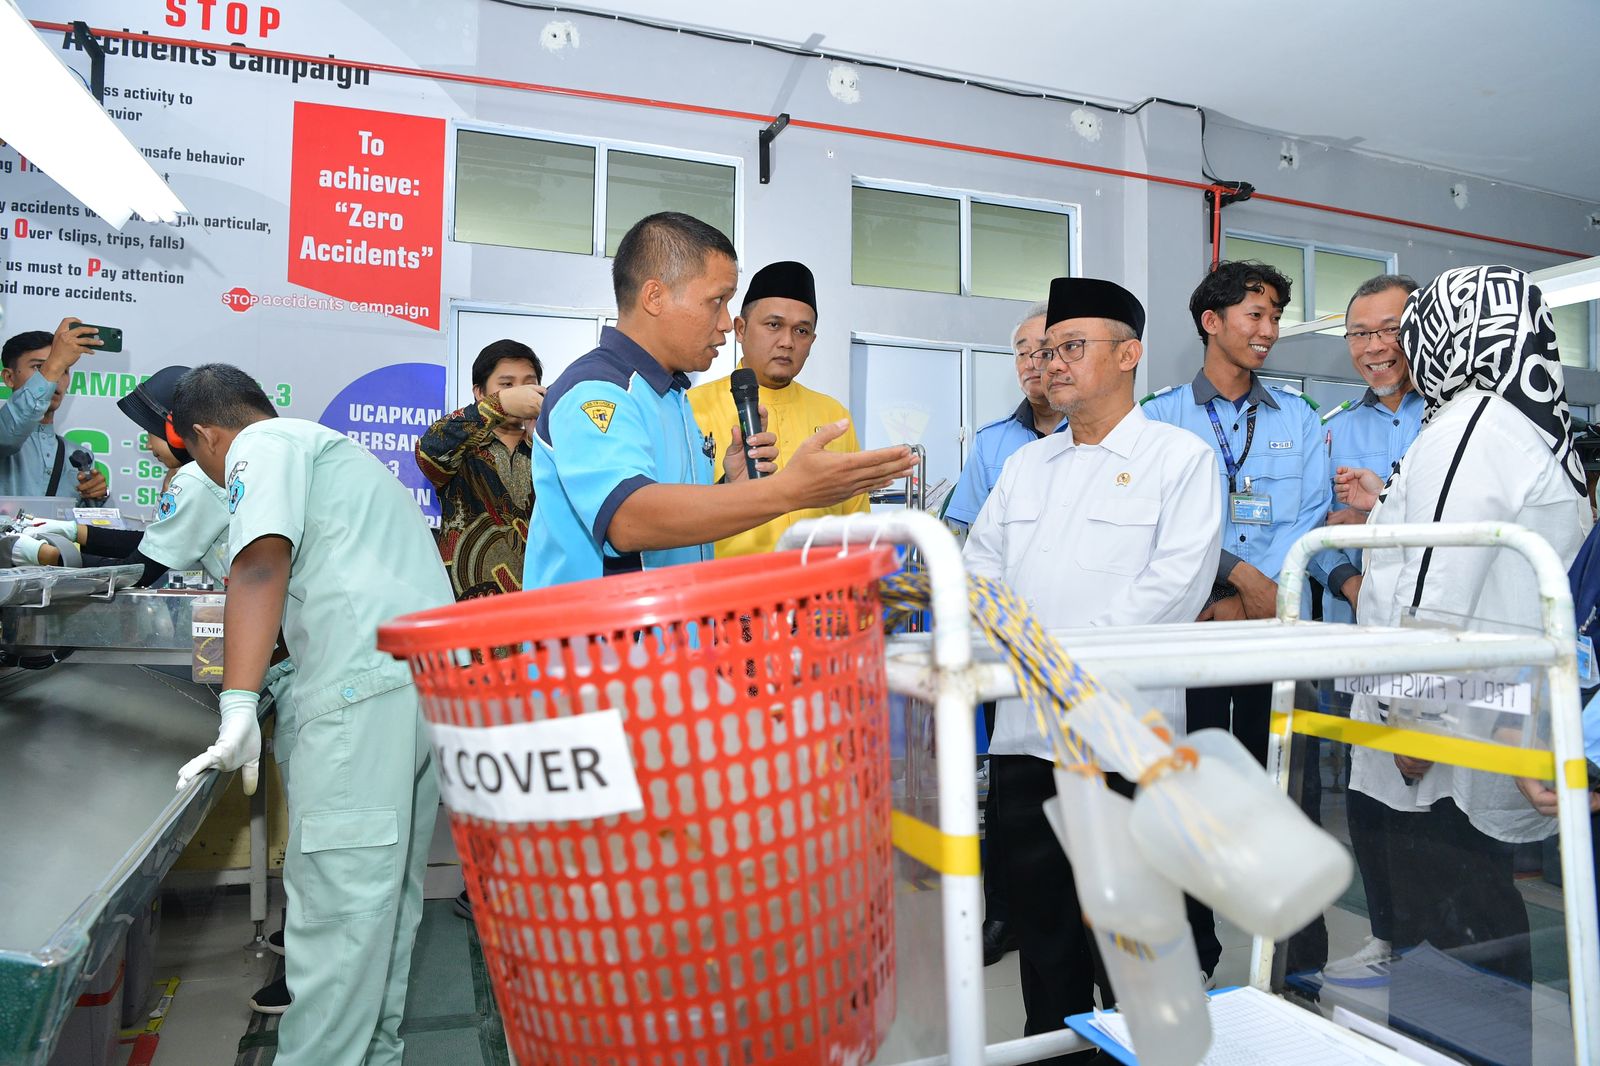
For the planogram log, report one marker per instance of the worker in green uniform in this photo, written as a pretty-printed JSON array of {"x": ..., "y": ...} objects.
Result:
[{"x": 325, "y": 541}]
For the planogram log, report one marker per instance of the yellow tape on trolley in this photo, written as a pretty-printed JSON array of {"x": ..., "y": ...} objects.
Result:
[
  {"x": 948, "y": 853},
  {"x": 1455, "y": 751}
]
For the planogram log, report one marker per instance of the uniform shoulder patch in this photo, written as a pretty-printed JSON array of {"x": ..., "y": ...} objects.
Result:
[
  {"x": 1159, "y": 392},
  {"x": 599, "y": 412},
  {"x": 1292, "y": 391},
  {"x": 167, "y": 505}
]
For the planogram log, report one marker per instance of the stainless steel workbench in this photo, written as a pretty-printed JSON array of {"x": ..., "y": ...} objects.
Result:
[{"x": 89, "y": 824}]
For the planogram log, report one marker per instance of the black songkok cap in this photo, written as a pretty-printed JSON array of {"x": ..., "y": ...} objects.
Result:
[
  {"x": 787, "y": 280},
  {"x": 1094, "y": 298}
]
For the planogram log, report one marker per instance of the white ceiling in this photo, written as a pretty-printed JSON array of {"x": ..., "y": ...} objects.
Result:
[{"x": 1505, "y": 89}]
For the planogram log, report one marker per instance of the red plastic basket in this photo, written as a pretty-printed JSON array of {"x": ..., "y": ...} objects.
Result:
[{"x": 744, "y": 914}]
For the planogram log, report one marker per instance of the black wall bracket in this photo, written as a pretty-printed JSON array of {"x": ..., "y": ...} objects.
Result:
[
  {"x": 765, "y": 139},
  {"x": 97, "y": 59}
]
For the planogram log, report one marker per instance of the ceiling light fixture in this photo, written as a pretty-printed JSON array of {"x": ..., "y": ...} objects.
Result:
[{"x": 62, "y": 130}]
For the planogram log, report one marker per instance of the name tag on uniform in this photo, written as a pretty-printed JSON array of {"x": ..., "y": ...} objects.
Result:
[
  {"x": 1248, "y": 509},
  {"x": 1588, "y": 674}
]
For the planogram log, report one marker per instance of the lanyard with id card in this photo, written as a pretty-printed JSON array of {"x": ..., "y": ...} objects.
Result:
[{"x": 1244, "y": 508}]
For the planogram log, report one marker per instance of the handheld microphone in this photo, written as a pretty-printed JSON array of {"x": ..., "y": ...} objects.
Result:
[
  {"x": 82, "y": 459},
  {"x": 747, "y": 403}
]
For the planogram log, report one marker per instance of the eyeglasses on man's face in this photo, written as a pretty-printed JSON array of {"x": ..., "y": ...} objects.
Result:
[
  {"x": 1358, "y": 337},
  {"x": 1068, "y": 352}
]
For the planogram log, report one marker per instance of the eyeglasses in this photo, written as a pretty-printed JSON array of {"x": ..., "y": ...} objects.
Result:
[
  {"x": 1361, "y": 336},
  {"x": 1068, "y": 352}
]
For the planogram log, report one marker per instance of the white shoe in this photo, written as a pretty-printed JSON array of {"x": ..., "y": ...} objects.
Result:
[{"x": 1368, "y": 967}]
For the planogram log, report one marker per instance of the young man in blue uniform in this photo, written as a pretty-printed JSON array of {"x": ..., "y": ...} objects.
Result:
[
  {"x": 1275, "y": 479},
  {"x": 324, "y": 541},
  {"x": 623, "y": 478},
  {"x": 1034, "y": 419},
  {"x": 1372, "y": 433}
]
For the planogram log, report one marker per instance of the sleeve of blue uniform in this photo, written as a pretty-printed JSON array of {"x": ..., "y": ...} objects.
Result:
[
  {"x": 600, "y": 468},
  {"x": 20, "y": 415},
  {"x": 973, "y": 487},
  {"x": 985, "y": 550},
  {"x": 1316, "y": 493}
]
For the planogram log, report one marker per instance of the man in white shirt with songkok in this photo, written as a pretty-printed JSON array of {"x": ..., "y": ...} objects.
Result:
[{"x": 1114, "y": 522}]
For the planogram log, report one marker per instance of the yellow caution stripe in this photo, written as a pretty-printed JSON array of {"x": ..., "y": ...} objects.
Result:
[
  {"x": 932, "y": 846},
  {"x": 1455, "y": 751},
  {"x": 1577, "y": 773}
]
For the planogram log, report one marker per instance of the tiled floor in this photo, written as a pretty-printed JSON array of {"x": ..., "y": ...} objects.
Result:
[{"x": 207, "y": 943}]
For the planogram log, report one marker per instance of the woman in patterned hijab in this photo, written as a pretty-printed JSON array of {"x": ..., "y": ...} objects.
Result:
[{"x": 1488, "y": 328}]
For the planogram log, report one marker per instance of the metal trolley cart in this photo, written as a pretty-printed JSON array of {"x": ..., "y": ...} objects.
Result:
[{"x": 948, "y": 669}]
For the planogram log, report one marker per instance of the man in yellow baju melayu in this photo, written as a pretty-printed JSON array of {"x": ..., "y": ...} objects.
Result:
[{"x": 776, "y": 326}]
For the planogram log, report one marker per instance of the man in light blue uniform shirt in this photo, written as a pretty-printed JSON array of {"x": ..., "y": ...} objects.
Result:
[
  {"x": 994, "y": 443},
  {"x": 1275, "y": 484},
  {"x": 1372, "y": 432},
  {"x": 623, "y": 479},
  {"x": 1275, "y": 479},
  {"x": 37, "y": 367}
]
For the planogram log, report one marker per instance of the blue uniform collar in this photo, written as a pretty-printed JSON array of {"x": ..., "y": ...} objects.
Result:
[
  {"x": 629, "y": 351},
  {"x": 1205, "y": 392},
  {"x": 1024, "y": 416},
  {"x": 1370, "y": 398}
]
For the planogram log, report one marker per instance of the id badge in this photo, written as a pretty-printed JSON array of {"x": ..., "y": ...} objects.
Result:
[
  {"x": 1588, "y": 672},
  {"x": 1248, "y": 509}
]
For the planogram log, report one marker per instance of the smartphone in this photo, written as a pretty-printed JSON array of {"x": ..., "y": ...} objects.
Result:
[{"x": 110, "y": 337}]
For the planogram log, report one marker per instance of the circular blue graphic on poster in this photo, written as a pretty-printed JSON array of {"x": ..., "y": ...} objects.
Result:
[{"x": 386, "y": 412}]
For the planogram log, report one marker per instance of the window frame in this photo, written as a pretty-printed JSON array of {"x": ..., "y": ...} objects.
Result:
[
  {"x": 965, "y": 198},
  {"x": 603, "y": 147},
  {"x": 1592, "y": 313},
  {"x": 1308, "y": 261}
]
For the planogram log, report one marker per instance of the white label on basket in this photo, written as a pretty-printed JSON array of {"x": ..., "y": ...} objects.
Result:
[
  {"x": 557, "y": 770},
  {"x": 1507, "y": 696}
]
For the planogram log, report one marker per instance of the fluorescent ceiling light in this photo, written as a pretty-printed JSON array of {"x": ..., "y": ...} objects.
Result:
[
  {"x": 54, "y": 122},
  {"x": 1576, "y": 282}
]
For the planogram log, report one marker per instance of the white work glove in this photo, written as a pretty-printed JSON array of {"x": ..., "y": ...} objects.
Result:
[
  {"x": 24, "y": 550},
  {"x": 238, "y": 742},
  {"x": 61, "y": 527}
]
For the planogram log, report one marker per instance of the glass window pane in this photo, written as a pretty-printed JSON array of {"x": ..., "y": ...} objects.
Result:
[
  {"x": 524, "y": 193},
  {"x": 1015, "y": 251},
  {"x": 1338, "y": 277},
  {"x": 640, "y": 185},
  {"x": 905, "y": 240},
  {"x": 1572, "y": 334},
  {"x": 1287, "y": 259}
]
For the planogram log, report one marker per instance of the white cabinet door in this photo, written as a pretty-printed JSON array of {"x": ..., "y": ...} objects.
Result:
[
  {"x": 906, "y": 395},
  {"x": 557, "y": 339},
  {"x": 995, "y": 389}
]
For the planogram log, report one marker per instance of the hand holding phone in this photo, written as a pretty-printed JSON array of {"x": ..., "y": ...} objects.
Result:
[{"x": 110, "y": 336}]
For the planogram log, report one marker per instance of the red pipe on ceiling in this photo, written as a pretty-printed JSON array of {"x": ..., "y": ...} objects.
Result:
[{"x": 826, "y": 127}]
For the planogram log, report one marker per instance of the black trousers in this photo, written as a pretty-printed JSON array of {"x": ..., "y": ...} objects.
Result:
[
  {"x": 1059, "y": 966},
  {"x": 1244, "y": 710},
  {"x": 995, "y": 908},
  {"x": 1453, "y": 888},
  {"x": 1369, "y": 822}
]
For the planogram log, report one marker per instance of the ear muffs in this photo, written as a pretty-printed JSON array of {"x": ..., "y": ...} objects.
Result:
[{"x": 171, "y": 434}]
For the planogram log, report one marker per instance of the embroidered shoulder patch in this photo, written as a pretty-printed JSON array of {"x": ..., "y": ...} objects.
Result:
[{"x": 599, "y": 412}]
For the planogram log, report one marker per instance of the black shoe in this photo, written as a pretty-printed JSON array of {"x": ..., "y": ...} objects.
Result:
[
  {"x": 998, "y": 938},
  {"x": 273, "y": 999},
  {"x": 464, "y": 905},
  {"x": 275, "y": 942}
]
